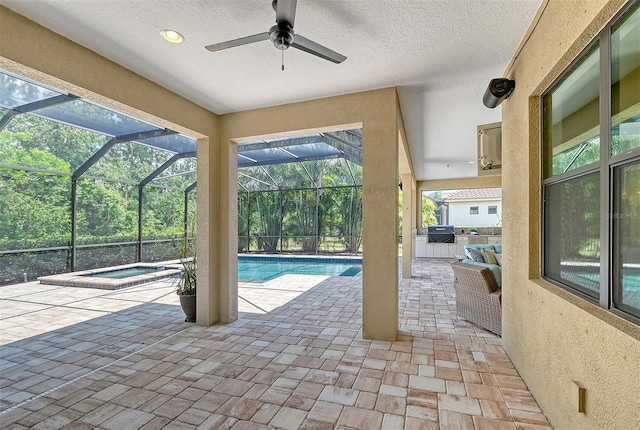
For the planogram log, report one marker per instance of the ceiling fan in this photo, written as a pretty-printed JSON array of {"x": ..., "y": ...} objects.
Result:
[{"x": 282, "y": 35}]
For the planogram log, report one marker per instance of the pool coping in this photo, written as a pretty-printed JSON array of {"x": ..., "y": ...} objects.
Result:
[
  {"x": 80, "y": 279},
  {"x": 302, "y": 258}
]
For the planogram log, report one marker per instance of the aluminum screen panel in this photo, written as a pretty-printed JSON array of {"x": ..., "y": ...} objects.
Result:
[
  {"x": 15, "y": 92},
  {"x": 287, "y": 154},
  {"x": 176, "y": 143},
  {"x": 93, "y": 117},
  {"x": 128, "y": 161}
]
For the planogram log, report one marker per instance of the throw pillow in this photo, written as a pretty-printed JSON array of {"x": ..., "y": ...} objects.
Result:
[
  {"x": 474, "y": 254},
  {"x": 499, "y": 259},
  {"x": 489, "y": 256}
]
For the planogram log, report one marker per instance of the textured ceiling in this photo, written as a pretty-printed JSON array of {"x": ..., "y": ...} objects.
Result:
[{"x": 440, "y": 54}]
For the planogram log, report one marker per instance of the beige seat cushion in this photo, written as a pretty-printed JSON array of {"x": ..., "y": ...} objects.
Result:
[
  {"x": 498, "y": 259},
  {"x": 489, "y": 256}
]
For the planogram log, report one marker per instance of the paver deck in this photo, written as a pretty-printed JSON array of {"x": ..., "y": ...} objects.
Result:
[{"x": 78, "y": 358}]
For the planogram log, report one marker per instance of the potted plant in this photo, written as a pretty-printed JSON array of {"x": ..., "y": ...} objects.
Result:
[{"x": 186, "y": 288}]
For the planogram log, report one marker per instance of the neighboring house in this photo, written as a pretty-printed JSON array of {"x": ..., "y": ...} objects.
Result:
[{"x": 474, "y": 207}]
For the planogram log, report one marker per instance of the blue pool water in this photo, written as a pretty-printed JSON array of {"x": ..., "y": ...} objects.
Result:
[
  {"x": 125, "y": 273},
  {"x": 590, "y": 278},
  {"x": 260, "y": 269}
]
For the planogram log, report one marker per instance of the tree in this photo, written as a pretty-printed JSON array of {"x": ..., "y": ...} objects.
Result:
[
  {"x": 266, "y": 219},
  {"x": 34, "y": 205},
  {"x": 351, "y": 221},
  {"x": 429, "y": 209}
]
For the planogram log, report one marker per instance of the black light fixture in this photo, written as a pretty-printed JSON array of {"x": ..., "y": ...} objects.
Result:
[{"x": 499, "y": 89}]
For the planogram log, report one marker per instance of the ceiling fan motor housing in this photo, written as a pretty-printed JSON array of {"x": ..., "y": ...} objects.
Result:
[
  {"x": 282, "y": 35},
  {"x": 282, "y": 38}
]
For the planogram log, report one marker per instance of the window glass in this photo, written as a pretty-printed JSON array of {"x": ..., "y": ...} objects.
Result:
[
  {"x": 626, "y": 220},
  {"x": 474, "y": 210},
  {"x": 493, "y": 210},
  {"x": 572, "y": 233},
  {"x": 571, "y": 118},
  {"x": 604, "y": 194},
  {"x": 625, "y": 84}
]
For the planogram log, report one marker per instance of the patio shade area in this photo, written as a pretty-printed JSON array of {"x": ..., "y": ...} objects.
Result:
[{"x": 126, "y": 359}]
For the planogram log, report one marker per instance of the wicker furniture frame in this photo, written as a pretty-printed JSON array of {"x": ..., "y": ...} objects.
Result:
[{"x": 478, "y": 298}]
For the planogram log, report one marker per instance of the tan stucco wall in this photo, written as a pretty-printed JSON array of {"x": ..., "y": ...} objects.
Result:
[
  {"x": 35, "y": 52},
  {"x": 555, "y": 338},
  {"x": 376, "y": 113},
  {"x": 409, "y": 217},
  {"x": 410, "y": 203}
]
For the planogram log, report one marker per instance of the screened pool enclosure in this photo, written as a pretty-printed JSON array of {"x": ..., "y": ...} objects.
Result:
[
  {"x": 301, "y": 194},
  {"x": 83, "y": 186}
]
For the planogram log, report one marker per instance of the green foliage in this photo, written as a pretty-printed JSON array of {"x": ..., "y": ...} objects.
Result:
[
  {"x": 35, "y": 158},
  {"x": 579, "y": 155},
  {"x": 70, "y": 144},
  {"x": 266, "y": 219},
  {"x": 106, "y": 208},
  {"x": 243, "y": 221},
  {"x": 350, "y": 223},
  {"x": 429, "y": 208},
  {"x": 188, "y": 279},
  {"x": 623, "y": 142},
  {"x": 339, "y": 216},
  {"x": 35, "y": 206},
  {"x": 299, "y": 209}
]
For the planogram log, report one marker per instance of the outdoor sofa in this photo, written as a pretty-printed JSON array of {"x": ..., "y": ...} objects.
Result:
[
  {"x": 478, "y": 286},
  {"x": 478, "y": 298}
]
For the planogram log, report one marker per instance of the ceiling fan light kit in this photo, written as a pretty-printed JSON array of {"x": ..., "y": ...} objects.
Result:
[
  {"x": 281, "y": 39},
  {"x": 283, "y": 36}
]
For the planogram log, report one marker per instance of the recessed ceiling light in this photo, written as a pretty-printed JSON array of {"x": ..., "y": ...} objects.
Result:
[
  {"x": 172, "y": 36},
  {"x": 472, "y": 162}
]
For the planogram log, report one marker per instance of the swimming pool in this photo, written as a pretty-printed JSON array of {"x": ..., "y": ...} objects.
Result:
[
  {"x": 261, "y": 269},
  {"x": 250, "y": 269}
]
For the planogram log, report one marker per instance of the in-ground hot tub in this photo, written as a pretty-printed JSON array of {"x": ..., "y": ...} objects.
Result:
[{"x": 113, "y": 278}]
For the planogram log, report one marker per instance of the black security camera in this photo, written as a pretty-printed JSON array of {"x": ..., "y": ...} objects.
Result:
[{"x": 498, "y": 90}]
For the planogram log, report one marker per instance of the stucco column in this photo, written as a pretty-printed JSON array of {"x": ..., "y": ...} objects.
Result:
[
  {"x": 227, "y": 247},
  {"x": 217, "y": 234},
  {"x": 408, "y": 223},
  {"x": 380, "y": 235},
  {"x": 206, "y": 304}
]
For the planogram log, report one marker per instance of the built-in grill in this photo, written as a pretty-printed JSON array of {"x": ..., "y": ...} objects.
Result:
[{"x": 441, "y": 234}]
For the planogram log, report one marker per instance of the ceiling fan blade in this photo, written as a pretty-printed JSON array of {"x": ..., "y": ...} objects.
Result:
[
  {"x": 306, "y": 45},
  {"x": 238, "y": 42},
  {"x": 286, "y": 11}
]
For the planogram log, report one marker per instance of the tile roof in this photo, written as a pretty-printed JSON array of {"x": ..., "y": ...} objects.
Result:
[{"x": 474, "y": 194}]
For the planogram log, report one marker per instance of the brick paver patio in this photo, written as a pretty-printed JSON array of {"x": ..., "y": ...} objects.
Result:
[{"x": 78, "y": 358}]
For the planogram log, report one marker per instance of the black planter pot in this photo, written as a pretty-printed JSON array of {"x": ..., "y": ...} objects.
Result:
[{"x": 188, "y": 304}]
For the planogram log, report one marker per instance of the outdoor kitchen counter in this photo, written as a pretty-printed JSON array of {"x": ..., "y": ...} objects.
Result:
[{"x": 447, "y": 250}]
